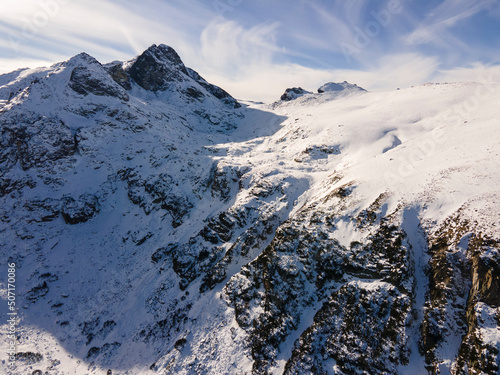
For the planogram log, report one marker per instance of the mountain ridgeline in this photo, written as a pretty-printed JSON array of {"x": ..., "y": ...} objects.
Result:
[{"x": 158, "y": 225}]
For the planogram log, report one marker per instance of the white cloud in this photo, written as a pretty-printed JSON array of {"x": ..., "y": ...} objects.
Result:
[
  {"x": 401, "y": 70},
  {"x": 339, "y": 23},
  {"x": 9, "y": 65},
  {"x": 101, "y": 28},
  {"x": 435, "y": 26},
  {"x": 476, "y": 72},
  {"x": 268, "y": 82},
  {"x": 228, "y": 47}
]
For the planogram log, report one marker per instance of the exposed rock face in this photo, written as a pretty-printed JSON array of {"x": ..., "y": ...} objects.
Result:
[
  {"x": 214, "y": 90},
  {"x": 293, "y": 93},
  {"x": 303, "y": 267},
  {"x": 75, "y": 211},
  {"x": 83, "y": 82},
  {"x": 463, "y": 295},
  {"x": 157, "y": 67},
  {"x": 160, "y": 68},
  {"x": 34, "y": 141},
  {"x": 119, "y": 75},
  {"x": 35, "y": 137},
  {"x": 357, "y": 328}
]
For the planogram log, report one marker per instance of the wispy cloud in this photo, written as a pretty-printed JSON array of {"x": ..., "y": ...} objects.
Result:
[
  {"x": 475, "y": 72},
  {"x": 103, "y": 28},
  {"x": 268, "y": 82},
  {"x": 434, "y": 27},
  {"x": 227, "y": 46}
]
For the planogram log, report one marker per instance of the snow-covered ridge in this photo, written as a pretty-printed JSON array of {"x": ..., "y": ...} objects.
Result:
[
  {"x": 157, "y": 226},
  {"x": 332, "y": 89},
  {"x": 332, "y": 86}
]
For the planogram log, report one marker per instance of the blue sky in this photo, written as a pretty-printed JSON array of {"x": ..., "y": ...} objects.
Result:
[{"x": 256, "y": 48}]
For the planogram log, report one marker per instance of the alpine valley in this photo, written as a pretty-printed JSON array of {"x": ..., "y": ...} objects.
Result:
[{"x": 160, "y": 226}]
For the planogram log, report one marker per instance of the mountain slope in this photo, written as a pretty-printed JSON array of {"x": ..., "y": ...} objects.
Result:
[{"x": 158, "y": 226}]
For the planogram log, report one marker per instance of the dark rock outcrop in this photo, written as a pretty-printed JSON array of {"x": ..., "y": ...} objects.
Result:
[
  {"x": 357, "y": 328},
  {"x": 464, "y": 285},
  {"x": 119, "y": 75},
  {"x": 37, "y": 292},
  {"x": 293, "y": 93},
  {"x": 34, "y": 141},
  {"x": 157, "y": 67},
  {"x": 302, "y": 267},
  {"x": 214, "y": 90},
  {"x": 75, "y": 211},
  {"x": 84, "y": 81}
]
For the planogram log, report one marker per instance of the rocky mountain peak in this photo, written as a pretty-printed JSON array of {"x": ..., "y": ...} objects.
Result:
[
  {"x": 332, "y": 87},
  {"x": 82, "y": 58},
  {"x": 157, "y": 67},
  {"x": 88, "y": 76},
  {"x": 345, "y": 87},
  {"x": 293, "y": 93}
]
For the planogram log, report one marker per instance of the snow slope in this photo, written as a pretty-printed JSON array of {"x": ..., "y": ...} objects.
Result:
[{"x": 158, "y": 227}]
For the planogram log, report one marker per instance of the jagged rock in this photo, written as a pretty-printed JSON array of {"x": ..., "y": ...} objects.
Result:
[
  {"x": 178, "y": 207},
  {"x": 38, "y": 291},
  {"x": 223, "y": 180},
  {"x": 157, "y": 193},
  {"x": 300, "y": 266},
  {"x": 119, "y": 74},
  {"x": 486, "y": 272},
  {"x": 8, "y": 186},
  {"x": 85, "y": 81},
  {"x": 35, "y": 141},
  {"x": 44, "y": 210},
  {"x": 75, "y": 211},
  {"x": 106, "y": 328},
  {"x": 106, "y": 350},
  {"x": 194, "y": 93},
  {"x": 317, "y": 152},
  {"x": 362, "y": 328},
  {"x": 293, "y": 93},
  {"x": 157, "y": 67},
  {"x": 252, "y": 238},
  {"x": 28, "y": 358},
  {"x": 477, "y": 353},
  {"x": 214, "y": 90},
  {"x": 463, "y": 283}
]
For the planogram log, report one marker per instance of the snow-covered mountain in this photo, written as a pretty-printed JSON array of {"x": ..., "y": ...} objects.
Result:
[{"x": 160, "y": 226}]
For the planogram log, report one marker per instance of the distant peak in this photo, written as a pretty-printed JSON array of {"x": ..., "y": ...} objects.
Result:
[
  {"x": 293, "y": 93},
  {"x": 332, "y": 86},
  {"x": 164, "y": 54}
]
